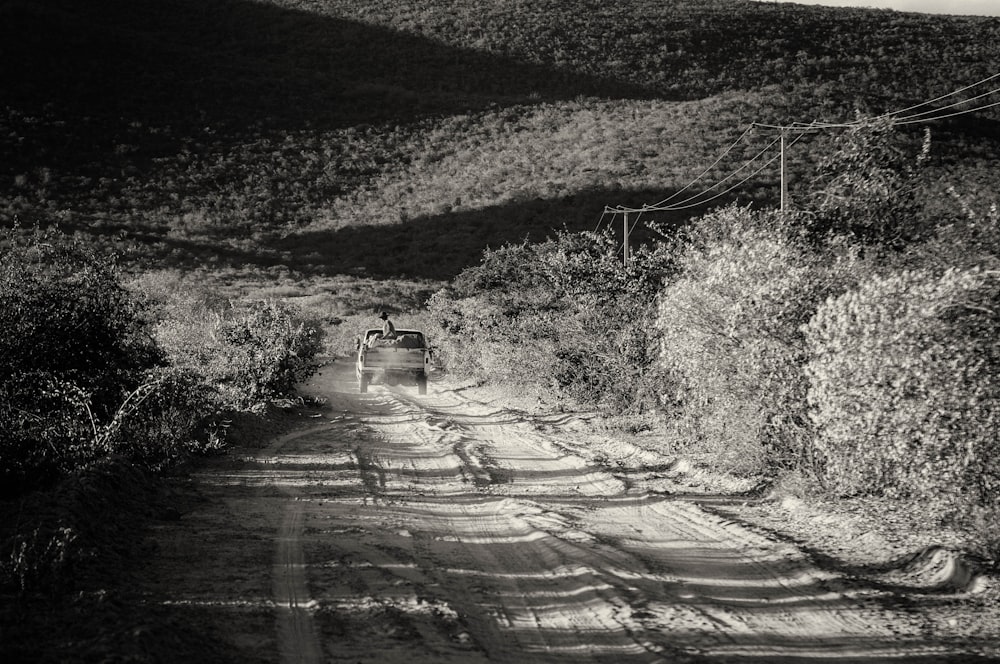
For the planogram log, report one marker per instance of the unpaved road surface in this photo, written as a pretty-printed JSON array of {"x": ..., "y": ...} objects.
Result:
[{"x": 414, "y": 529}]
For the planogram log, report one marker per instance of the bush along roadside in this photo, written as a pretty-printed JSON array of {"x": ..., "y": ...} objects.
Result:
[
  {"x": 904, "y": 388},
  {"x": 564, "y": 315},
  {"x": 730, "y": 336},
  {"x": 95, "y": 374},
  {"x": 248, "y": 352},
  {"x": 851, "y": 343},
  {"x": 75, "y": 357}
]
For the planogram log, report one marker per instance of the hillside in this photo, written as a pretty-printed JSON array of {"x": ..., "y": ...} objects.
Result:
[{"x": 379, "y": 138}]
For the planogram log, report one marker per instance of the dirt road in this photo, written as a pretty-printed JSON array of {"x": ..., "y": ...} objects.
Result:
[{"x": 445, "y": 529}]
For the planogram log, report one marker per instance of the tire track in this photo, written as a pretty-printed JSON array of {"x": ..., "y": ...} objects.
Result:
[
  {"x": 691, "y": 584},
  {"x": 537, "y": 592},
  {"x": 298, "y": 642}
]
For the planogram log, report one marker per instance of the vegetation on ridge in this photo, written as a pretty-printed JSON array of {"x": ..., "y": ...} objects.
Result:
[{"x": 288, "y": 133}]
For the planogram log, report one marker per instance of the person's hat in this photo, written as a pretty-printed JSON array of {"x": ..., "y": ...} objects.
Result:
[{"x": 383, "y": 315}]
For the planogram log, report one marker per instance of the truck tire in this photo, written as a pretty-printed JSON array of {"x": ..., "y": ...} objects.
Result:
[
  {"x": 422, "y": 384},
  {"x": 363, "y": 383}
]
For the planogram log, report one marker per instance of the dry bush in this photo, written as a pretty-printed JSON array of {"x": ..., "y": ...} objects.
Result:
[
  {"x": 478, "y": 339},
  {"x": 868, "y": 186},
  {"x": 73, "y": 343},
  {"x": 248, "y": 352},
  {"x": 971, "y": 239},
  {"x": 903, "y": 387},
  {"x": 564, "y": 314},
  {"x": 730, "y": 337}
]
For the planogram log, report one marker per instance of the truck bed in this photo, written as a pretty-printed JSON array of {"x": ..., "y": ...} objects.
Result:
[{"x": 393, "y": 357}]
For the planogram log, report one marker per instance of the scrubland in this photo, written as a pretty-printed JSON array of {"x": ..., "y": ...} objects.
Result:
[{"x": 235, "y": 182}]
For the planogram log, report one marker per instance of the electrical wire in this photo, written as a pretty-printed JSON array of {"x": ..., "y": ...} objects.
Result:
[
  {"x": 951, "y": 115},
  {"x": 661, "y": 207},
  {"x": 738, "y": 184},
  {"x": 705, "y": 172},
  {"x": 814, "y": 125},
  {"x": 687, "y": 204},
  {"x": 636, "y": 222},
  {"x": 801, "y": 129},
  {"x": 945, "y": 96},
  {"x": 601, "y": 220},
  {"x": 721, "y": 193},
  {"x": 690, "y": 202},
  {"x": 911, "y": 119}
]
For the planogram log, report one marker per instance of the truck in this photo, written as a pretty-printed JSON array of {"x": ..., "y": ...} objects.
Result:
[{"x": 402, "y": 360}]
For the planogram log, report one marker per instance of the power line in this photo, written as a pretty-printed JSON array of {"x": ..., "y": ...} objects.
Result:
[
  {"x": 728, "y": 177},
  {"x": 815, "y": 126},
  {"x": 705, "y": 172},
  {"x": 945, "y": 96},
  {"x": 801, "y": 129},
  {"x": 601, "y": 220},
  {"x": 735, "y": 186},
  {"x": 912, "y": 118},
  {"x": 800, "y": 126},
  {"x": 687, "y": 202}
]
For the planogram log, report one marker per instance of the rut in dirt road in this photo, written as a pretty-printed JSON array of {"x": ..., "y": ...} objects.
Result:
[
  {"x": 441, "y": 529},
  {"x": 297, "y": 638}
]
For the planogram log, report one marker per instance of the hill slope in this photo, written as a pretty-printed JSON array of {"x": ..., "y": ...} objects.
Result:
[{"x": 281, "y": 132}]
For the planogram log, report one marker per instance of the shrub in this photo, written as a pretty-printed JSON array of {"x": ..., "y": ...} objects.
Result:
[
  {"x": 249, "y": 353},
  {"x": 904, "y": 388},
  {"x": 265, "y": 350},
  {"x": 39, "y": 560},
  {"x": 43, "y": 430},
  {"x": 73, "y": 341},
  {"x": 730, "y": 338},
  {"x": 55, "y": 543},
  {"x": 563, "y": 314},
  {"x": 971, "y": 239},
  {"x": 166, "y": 418},
  {"x": 65, "y": 314},
  {"x": 480, "y": 338},
  {"x": 865, "y": 185}
]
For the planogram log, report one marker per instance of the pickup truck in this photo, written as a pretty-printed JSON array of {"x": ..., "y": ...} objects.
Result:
[{"x": 404, "y": 360}]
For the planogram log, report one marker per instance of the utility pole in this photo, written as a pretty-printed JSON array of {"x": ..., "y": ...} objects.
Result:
[
  {"x": 625, "y": 256},
  {"x": 784, "y": 178}
]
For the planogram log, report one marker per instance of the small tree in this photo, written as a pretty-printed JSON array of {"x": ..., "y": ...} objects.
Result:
[
  {"x": 865, "y": 186},
  {"x": 731, "y": 343}
]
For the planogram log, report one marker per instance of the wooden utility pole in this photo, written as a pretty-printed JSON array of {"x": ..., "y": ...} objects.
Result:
[
  {"x": 784, "y": 178},
  {"x": 625, "y": 239}
]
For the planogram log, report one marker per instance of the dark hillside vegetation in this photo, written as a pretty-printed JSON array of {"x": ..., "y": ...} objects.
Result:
[
  {"x": 205, "y": 131},
  {"x": 244, "y": 64},
  {"x": 291, "y": 64}
]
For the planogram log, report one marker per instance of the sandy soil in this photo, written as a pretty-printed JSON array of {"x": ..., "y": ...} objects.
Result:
[{"x": 454, "y": 528}]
